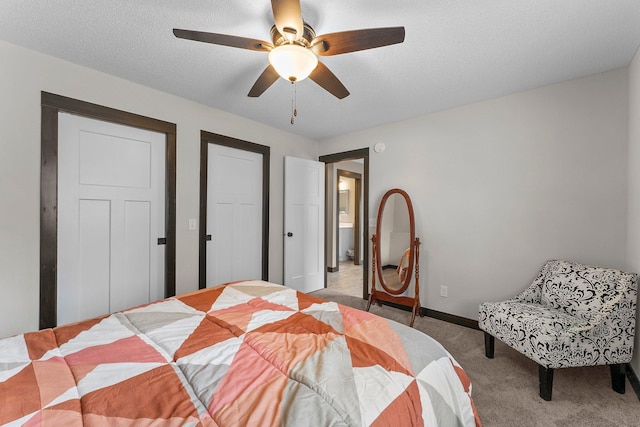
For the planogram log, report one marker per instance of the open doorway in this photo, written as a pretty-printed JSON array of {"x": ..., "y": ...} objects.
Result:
[
  {"x": 346, "y": 231},
  {"x": 349, "y": 214},
  {"x": 345, "y": 274}
]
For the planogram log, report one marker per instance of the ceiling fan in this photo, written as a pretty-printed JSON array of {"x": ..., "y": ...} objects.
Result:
[{"x": 294, "y": 48}]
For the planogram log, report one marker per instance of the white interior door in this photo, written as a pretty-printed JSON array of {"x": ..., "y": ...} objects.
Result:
[
  {"x": 234, "y": 215},
  {"x": 303, "y": 224},
  {"x": 111, "y": 190}
]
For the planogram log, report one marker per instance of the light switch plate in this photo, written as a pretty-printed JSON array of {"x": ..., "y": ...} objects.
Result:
[{"x": 192, "y": 224}]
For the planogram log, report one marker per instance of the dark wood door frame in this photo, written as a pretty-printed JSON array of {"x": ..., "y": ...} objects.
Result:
[
  {"x": 51, "y": 105},
  {"x": 356, "y": 215},
  {"x": 207, "y": 138},
  {"x": 362, "y": 153}
]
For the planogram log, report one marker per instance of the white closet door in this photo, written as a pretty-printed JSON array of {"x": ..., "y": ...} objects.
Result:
[
  {"x": 111, "y": 189},
  {"x": 303, "y": 224},
  {"x": 234, "y": 215}
]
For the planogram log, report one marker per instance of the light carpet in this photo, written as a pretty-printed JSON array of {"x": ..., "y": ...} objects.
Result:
[{"x": 505, "y": 389}]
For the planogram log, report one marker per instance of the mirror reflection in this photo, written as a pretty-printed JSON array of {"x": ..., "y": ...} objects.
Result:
[
  {"x": 343, "y": 202},
  {"x": 395, "y": 242}
]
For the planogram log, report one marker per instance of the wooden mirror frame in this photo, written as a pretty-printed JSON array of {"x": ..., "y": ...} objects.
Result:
[
  {"x": 412, "y": 235},
  {"x": 388, "y": 294}
]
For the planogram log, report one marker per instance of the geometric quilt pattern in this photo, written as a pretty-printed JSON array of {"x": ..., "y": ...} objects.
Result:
[{"x": 248, "y": 353}]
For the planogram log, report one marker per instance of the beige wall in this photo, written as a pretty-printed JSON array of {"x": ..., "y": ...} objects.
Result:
[
  {"x": 633, "y": 233},
  {"x": 23, "y": 75},
  {"x": 500, "y": 186}
]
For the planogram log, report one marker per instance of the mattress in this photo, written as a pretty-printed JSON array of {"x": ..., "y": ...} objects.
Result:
[{"x": 243, "y": 354}]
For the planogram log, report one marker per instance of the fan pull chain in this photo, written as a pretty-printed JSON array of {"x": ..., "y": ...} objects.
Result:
[{"x": 294, "y": 103}]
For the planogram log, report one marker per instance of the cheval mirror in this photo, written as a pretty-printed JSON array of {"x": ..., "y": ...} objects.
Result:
[{"x": 396, "y": 252}]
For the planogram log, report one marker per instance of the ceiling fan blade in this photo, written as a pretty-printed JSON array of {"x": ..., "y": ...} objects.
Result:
[
  {"x": 328, "y": 81},
  {"x": 355, "y": 40},
  {"x": 223, "y": 40},
  {"x": 266, "y": 79},
  {"x": 288, "y": 18}
]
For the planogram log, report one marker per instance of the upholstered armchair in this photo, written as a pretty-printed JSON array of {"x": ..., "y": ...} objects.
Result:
[{"x": 572, "y": 315}]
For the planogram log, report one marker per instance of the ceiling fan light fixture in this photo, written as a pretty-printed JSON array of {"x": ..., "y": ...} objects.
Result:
[{"x": 293, "y": 62}]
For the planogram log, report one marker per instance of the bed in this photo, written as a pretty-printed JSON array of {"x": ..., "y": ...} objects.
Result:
[{"x": 249, "y": 353}]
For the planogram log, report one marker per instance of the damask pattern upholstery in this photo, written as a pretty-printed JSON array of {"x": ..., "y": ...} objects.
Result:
[{"x": 571, "y": 315}]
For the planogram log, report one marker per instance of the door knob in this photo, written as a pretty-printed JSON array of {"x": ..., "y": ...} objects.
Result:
[{"x": 289, "y": 234}]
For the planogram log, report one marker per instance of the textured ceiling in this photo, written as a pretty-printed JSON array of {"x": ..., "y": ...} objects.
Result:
[{"x": 455, "y": 51}]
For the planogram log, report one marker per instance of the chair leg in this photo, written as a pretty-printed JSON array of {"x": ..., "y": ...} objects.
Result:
[
  {"x": 489, "y": 342},
  {"x": 618, "y": 372},
  {"x": 546, "y": 382}
]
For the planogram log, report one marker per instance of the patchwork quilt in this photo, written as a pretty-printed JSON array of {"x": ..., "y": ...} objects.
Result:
[{"x": 242, "y": 354}]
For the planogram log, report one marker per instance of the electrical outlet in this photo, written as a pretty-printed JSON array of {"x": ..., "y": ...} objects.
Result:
[{"x": 444, "y": 291}]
